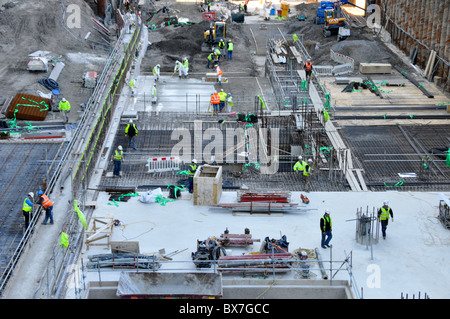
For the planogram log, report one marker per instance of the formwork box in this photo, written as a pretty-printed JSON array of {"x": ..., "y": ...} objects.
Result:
[
  {"x": 207, "y": 188},
  {"x": 375, "y": 68},
  {"x": 29, "y": 107},
  {"x": 146, "y": 285}
]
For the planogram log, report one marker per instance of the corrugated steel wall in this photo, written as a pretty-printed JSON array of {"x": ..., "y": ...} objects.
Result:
[{"x": 422, "y": 23}]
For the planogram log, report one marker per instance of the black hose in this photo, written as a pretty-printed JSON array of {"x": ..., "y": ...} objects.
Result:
[{"x": 49, "y": 84}]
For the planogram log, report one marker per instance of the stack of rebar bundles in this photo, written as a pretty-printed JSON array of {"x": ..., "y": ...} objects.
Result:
[{"x": 123, "y": 260}]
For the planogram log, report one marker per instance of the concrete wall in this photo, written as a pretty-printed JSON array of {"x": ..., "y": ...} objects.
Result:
[
  {"x": 253, "y": 289},
  {"x": 424, "y": 20}
]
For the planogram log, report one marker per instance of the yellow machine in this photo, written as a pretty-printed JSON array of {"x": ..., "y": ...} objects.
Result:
[
  {"x": 332, "y": 23},
  {"x": 217, "y": 31}
]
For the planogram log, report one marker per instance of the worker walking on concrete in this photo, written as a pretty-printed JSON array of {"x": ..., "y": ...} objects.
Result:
[
  {"x": 133, "y": 87},
  {"x": 131, "y": 131},
  {"x": 219, "y": 74},
  {"x": 117, "y": 158},
  {"x": 229, "y": 102},
  {"x": 325, "y": 228},
  {"x": 154, "y": 96},
  {"x": 178, "y": 67},
  {"x": 47, "y": 204},
  {"x": 185, "y": 67},
  {"x": 223, "y": 99},
  {"x": 192, "y": 169},
  {"x": 156, "y": 72},
  {"x": 215, "y": 101},
  {"x": 308, "y": 69},
  {"x": 64, "y": 107},
  {"x": 383, "y": 216},
  {"x": 27, "y": 208},
  {"x": 230, "y": 50}
]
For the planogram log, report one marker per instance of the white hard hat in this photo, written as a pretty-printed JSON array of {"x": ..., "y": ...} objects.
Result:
[
  {"x": 300, "y": 157},
  {"x": 63, "y": 99},
  {"x": 131, "y": 121},
  {"x": 309, "y": 160},
  {"x": 31, "y": 194},
  {"x": 385, "y": 202},
  {"x": 119, "y": 147},
  {"x": 158, "y": 65},
  {"x": 194, "y": 161},
  {"x": 327, "y": 212}
]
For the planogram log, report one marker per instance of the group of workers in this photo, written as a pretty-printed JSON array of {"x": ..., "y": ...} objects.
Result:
[
  {"x": 221, "y": 99},
  {"x": 43, "y": 201},
  {"x": 224, "y": 49}
]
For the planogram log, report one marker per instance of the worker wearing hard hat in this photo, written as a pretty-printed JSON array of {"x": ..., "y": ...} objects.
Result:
[
  {"x": 223, "y": 99},
  {"x": 191, "y": 170},
  {"x": 117, "y": 158},
  {"x": 219, "y": 74},
  {"x": 215, "y": 101},
  {"x": 131, "y": 131},
  {"x": 178, "y": 67},
  {"x": 383, "y": 216},
  {"x": 325, "y": 228},
  {"x": 222, "y": 47},
  {"x": 185, "y": 70},
  {"x": 300, "y": 165},
  {"x": 156, "y": 72},
  {"x": 27, "y": 208},
  {"x": 308, "y": 69},
  {"x": 47, "y": 204},
  {"x": 64, "y": 107},
  {"x": 306, "y": 174}
]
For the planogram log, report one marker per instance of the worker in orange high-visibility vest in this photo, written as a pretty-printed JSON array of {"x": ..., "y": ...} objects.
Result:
[
  {"x": 45, "y": 202},
  {"x": 215, "y": 101},
  {"x": 308, "y": 69}
]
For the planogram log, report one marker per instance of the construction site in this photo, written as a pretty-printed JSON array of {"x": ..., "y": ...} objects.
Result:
[{"x": 208, "y": 201}]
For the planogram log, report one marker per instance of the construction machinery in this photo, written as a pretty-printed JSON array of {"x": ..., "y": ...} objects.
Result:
[{"x": 212, "y": 36}]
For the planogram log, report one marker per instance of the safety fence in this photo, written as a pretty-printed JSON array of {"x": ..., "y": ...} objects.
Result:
[{"x": 95, "y": 269}]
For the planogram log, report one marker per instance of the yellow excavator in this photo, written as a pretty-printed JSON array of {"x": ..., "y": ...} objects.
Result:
[
  {"x": 334, "y": 24},
  {"x": 212, "y": 36}
]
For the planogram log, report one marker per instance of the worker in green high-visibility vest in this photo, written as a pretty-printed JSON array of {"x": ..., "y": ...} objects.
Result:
[
  {"x": 27, "y": 208},
  {"x": 64, "y": 107},
  {"x": 383, "y": 216},
  {"x": 117, "y": 158}
]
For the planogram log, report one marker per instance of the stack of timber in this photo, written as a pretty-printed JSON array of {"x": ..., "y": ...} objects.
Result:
[
  {"x": 123, "y": 260},
  {"x": 256, "y": 263},
  {"x": 260, "y": 207}
]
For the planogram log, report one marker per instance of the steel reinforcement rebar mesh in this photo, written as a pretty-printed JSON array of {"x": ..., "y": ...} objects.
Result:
[
  {"x": 401, "y": 157},
  {"x": 24, "y": 168},
  {"x": 155, "y": 140}
]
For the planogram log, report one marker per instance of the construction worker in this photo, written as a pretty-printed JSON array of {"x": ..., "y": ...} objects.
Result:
[
  {"x": 131, "y": 131},
  {"x": 64, "y": 107},
  {"x": 383, "y": 216},
  {"x": 229, "y": 102},
  {"x": 192, "y": 169},
  {"x": 219, "y": 74},
  {"x": 306, "y": 175},
  {"x": 217, "y": 53},
  {"x": 325, "y": 228},
  {"x": 185, "y": 67},
  {"x": 300, "y": 165},
  {"x": 156, "y": 72},
  {"x": 223, "y": 99},
  {"x": 27, "y": 208},
  {"x": 308, "y": 69},
  {"x": 178, "y": 67},
  {"x": 230, "y": 50},
  {"x": 126, "y": 4},
  {"x": 45, "y": 202},
  {"x": 133, "y": 87},
  {"x": 215, "y": 101},
  {"x": 154, "y": 97},
  {"x": 117, "y": 158},
  {"x": 211, "y": 58},
  {"x": 222, "y": 47}
]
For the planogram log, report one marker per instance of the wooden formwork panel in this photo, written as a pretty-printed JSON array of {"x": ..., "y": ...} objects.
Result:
[{"x": 29, "y": 107}]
